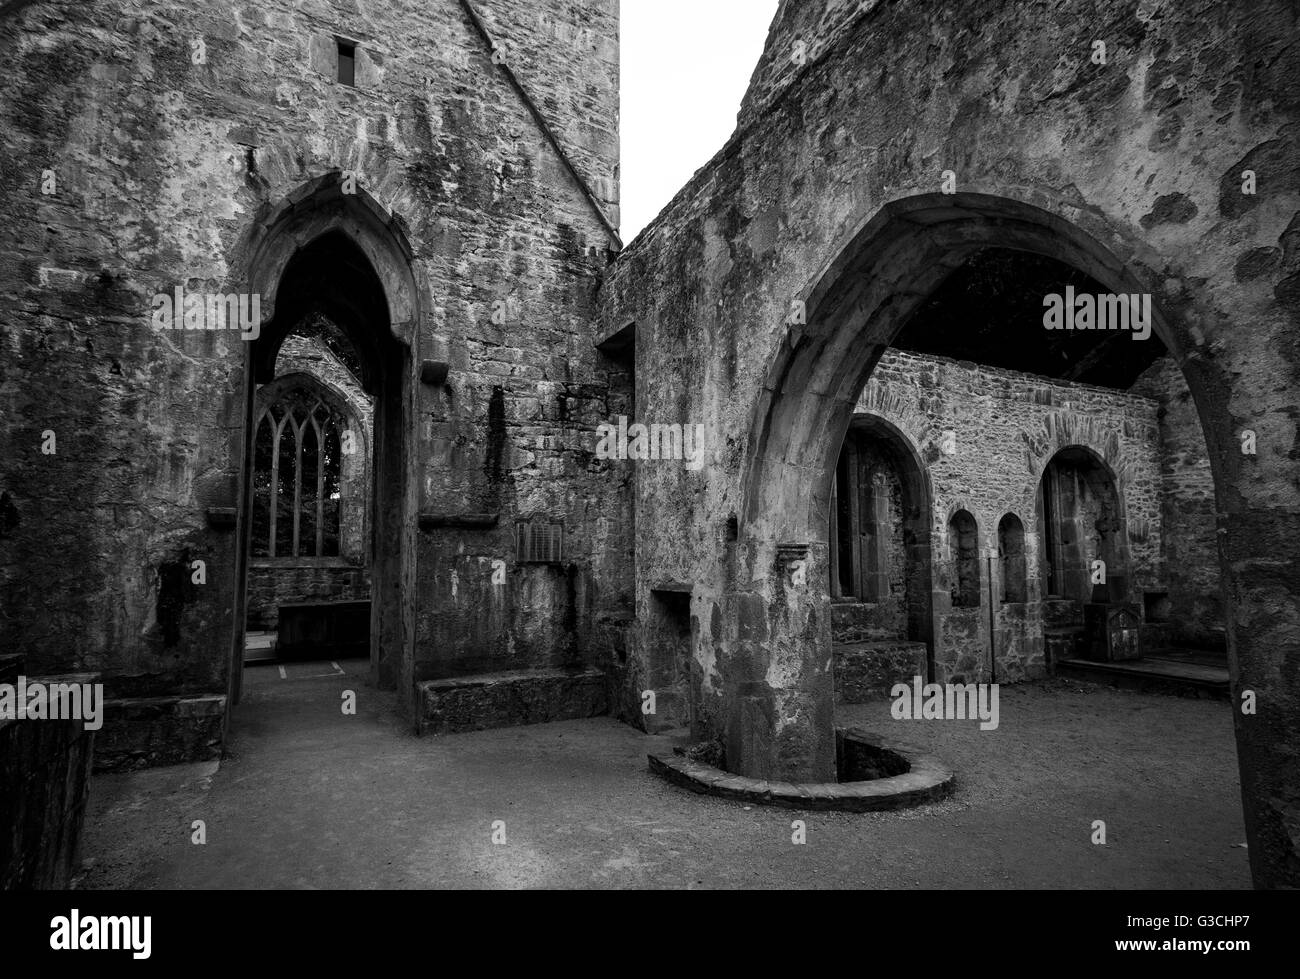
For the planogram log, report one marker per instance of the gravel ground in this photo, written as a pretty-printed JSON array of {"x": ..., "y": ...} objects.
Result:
[{"x": 310, "y": 798}]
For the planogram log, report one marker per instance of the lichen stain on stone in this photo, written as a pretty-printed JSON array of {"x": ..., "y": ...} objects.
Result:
[{"x": 1170, "y": 209}]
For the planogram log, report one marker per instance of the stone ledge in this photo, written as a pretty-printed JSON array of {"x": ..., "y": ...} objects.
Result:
[
  {"x": 143, "y": 732},
  {"x": 927, "y": 780},
  {"x": 463, "y": 521},
  {"x": 511, "y": 699}
]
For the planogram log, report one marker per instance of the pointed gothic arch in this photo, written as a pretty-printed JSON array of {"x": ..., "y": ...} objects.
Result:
[{"x": 342, "y": 254}]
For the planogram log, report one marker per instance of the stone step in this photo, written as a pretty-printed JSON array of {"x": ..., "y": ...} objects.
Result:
[
  {"x": 1181, "y": 654},
  {"x": 513, "y": 699},
  {"x": 866, "y": 671},
  {"x": 143, "y": 732},
  {"x": 1151, "y": 675}
]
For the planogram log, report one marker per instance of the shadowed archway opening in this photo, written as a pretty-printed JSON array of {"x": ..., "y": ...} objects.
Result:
[
  {"x": 336, "y": 259},
  {"x": 880, "y": 554},
  {"x": 308, "y": 591},
  {"x": 1011, "y": 556},
  {"x": 966, "y": 583},
  {"x": 1084, "y": 540},
  {"x": 990, "y": 311},
  {"x": 885, "y": 289}
]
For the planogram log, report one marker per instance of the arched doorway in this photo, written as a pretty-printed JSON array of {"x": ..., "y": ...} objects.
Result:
[
  {"x": 324, "y": 253},
  {"x": 1083, "y": 521},
  {"x": 309, "y": 573}
]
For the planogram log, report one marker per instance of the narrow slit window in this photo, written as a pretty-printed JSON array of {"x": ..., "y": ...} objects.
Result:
[
  {"x": 963, "y": 543},
  {"x": 347, "y": 72}
]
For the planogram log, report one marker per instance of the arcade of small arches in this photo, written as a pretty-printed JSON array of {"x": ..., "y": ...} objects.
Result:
[{"x": 890, "y": 547}]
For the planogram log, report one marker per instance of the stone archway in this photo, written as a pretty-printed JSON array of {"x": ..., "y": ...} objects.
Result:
[
  {"x": 1013, "y": 583},
  {"x": 311, "y": 504},
  {"x": 341, "y": 254},
  {"x": 886, "y": 536},
  {"x": 860, "y": 302},
  {"x": 853, "y": 310},
  {"x": 1083, "y": 518}
]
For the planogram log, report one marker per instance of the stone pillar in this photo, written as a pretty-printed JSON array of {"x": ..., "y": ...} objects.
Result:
[{"x": 778, "y": 693}]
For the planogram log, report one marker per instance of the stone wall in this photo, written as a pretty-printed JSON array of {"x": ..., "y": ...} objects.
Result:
[
  {"x": 1195, "y": 613},
  {"x": 1004, "y": 427},
  {"x": 800, "y": 34},
  {"x": 275, "y": 583},
  {"x": 1007, "y": 426},
  {"x": 764, "y": 293},
  {"x": 169, "y": 133},
  {"x": 143, "y": 732}
]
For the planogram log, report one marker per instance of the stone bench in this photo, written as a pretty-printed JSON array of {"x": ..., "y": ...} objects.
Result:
[{"x": 513, "y": 699}]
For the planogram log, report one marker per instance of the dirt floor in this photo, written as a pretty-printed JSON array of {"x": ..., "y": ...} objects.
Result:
[{"x": 311, "y": 798}]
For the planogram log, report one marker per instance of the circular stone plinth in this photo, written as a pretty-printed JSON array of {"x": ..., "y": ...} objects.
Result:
[{"x": 926, "y": 780}]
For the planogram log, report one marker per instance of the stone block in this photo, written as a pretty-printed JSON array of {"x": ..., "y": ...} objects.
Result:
[
  {"x": 44, "y": 782},
  {"x": 141, "y": 732},
  {"x": 513, "y": 699}
]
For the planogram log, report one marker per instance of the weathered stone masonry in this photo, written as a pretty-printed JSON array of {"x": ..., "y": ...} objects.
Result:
[
  {"x": 209, "y": 148},
  {"x": 1195, "y": 613},
  {"x": 829, "y": 193},
  {"x": 1006, "y": 427},
  {"x": 166, "y": 161}
]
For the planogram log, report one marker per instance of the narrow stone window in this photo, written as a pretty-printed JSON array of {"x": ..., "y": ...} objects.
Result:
[
  {"x": 347, "y": 63},
  {"x": 1011, "y": 550},
  {"x": 963, "y": 545},
  {"x": 844, "y": 581}
]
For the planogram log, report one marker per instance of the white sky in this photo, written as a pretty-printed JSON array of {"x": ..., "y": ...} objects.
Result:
[{"x": 685, "y": 67}]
